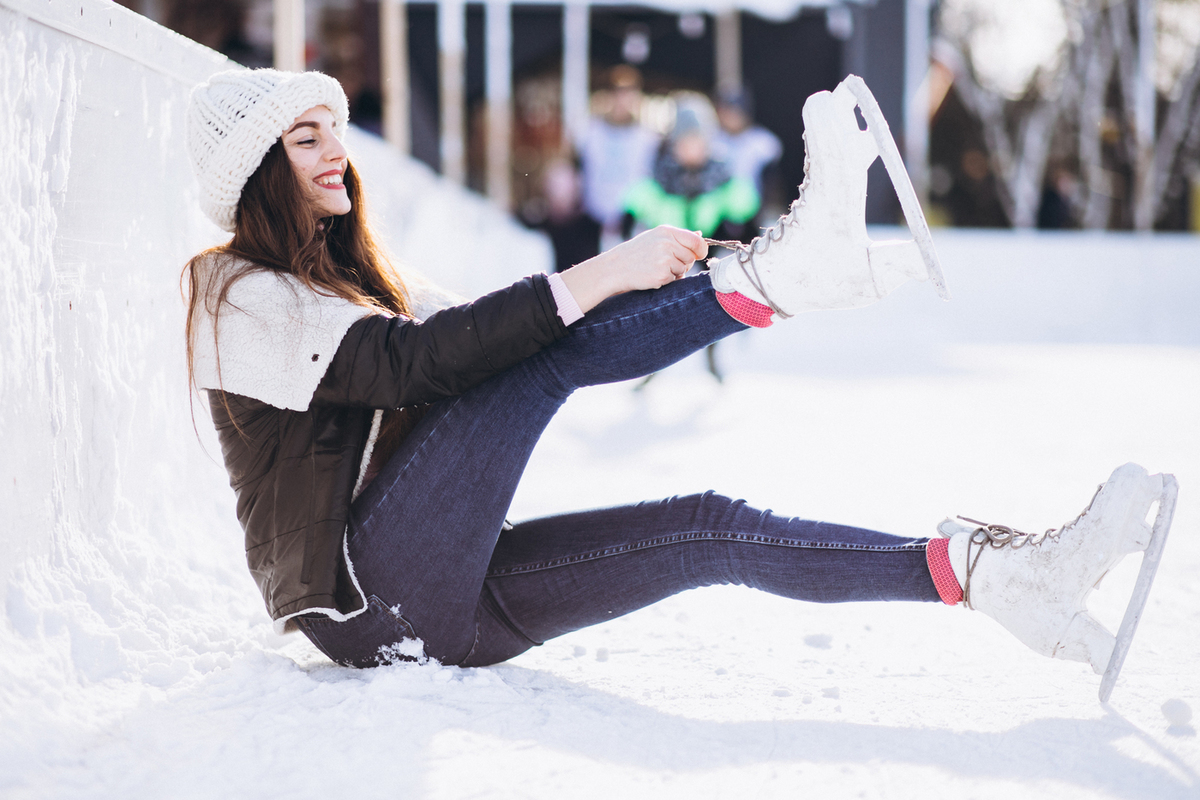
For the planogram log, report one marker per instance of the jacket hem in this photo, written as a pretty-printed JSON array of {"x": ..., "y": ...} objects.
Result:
[{"x": 282, "y": 625}]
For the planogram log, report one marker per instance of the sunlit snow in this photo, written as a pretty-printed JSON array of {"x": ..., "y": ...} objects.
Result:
[{"x": 137, "y": 660}]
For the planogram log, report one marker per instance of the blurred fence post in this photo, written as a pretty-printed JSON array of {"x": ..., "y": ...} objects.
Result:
[
  {"x": 728, "y": 45},
  {"x": 499, "y": 102},
  {"x": 452, "y": 47},
  {"x": 393, "y": 49},
  {"x": 916, "y": 93},
  {"x": 1145, "y": 106},
  {"x": 575, "y": 88},
  {"x": 289, "y": 35}
]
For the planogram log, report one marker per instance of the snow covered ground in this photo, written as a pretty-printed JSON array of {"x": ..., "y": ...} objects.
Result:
[
  {"x": 890, "y": 417},
  {"x": 136, "y": 659}
]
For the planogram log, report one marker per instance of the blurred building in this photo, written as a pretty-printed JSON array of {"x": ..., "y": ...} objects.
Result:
[
  {"x": 810, "y": 48},
  {"x": 779, "y": 51}
]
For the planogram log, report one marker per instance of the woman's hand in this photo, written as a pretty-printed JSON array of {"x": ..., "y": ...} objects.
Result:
[{"x": 647, "y": 261}]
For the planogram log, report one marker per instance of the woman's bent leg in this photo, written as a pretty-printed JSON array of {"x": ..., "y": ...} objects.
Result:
[
  {"x": 423, "y": 532},
  {"x": 635, "y": 334},
  {"x": 555, "y": 575}
]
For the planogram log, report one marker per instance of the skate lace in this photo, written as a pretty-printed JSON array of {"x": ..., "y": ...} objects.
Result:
[
  {"x": 999, "y": 536},
  {"x": 744, "y": 253}
]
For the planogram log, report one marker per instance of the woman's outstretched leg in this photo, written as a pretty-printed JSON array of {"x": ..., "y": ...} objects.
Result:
[{"x": 554, "y": 575}]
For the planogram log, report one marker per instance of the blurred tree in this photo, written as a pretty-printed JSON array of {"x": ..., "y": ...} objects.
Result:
[
  {"x": 1056, "y": 81},
  {"x": 1009, "y": 63}
]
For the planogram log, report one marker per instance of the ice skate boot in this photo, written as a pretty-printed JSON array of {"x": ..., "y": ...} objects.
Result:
[
  {"x": 1036, "y": 585},
  {"x": 818, "y": 256}
]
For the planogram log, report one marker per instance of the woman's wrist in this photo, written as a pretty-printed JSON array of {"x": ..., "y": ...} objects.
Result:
[
  {"x": 593, "y": 281},
  {"x": 568, "y": 309}
]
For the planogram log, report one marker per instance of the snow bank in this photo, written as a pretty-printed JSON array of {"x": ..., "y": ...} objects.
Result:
[
  {"x": 111, "y": 507},
  {"x": 99, "y": 482},
  {"x": 455, "y": 237}
]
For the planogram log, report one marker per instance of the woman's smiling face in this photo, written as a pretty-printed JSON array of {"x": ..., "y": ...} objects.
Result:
[{"x": 319, "y": 160}]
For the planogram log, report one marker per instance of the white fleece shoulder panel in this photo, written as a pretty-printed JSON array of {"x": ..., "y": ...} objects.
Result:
[{"x": 276, "y": 339}]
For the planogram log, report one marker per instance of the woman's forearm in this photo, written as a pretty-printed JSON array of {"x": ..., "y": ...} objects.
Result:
[{"x": 647, "y": 261}]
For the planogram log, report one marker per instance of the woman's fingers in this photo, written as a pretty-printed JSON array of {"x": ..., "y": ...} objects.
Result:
[
  {"x": 678, "y": 249},
  {"x": 658, "y": 256},
  {"x": 692, "y": 241}
]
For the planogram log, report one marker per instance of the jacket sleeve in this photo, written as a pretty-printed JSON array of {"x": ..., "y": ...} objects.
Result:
[{"x": 390, "y": 362}]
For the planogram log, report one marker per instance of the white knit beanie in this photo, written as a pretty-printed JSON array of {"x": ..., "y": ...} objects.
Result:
[{"x": 236, "y": 116}]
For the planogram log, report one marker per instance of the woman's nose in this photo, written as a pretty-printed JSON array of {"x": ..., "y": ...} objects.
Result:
[{"x": 337, "y": 151}]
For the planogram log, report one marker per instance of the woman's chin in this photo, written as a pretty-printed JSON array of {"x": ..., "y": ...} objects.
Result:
[{"x": 335, "y": 211}]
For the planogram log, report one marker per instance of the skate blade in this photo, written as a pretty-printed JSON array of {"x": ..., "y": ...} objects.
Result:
[
  {"x": 1141, "y": 589},
  {"x": 878, "y": 126}
]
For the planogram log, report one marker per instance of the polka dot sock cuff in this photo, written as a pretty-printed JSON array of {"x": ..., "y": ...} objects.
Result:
[
  {"x": 937, "y": 556},
  {"x": 744, "y": 310}
]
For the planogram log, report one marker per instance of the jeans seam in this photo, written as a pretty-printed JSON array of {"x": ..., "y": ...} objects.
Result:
[
  {"x": 599, "y": 325},
  {"x": 714, "y": 536}
]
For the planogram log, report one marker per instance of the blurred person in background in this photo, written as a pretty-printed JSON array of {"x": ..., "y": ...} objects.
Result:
[
  {"x": 616, "y": 152},
  {"x": 691, "y": 189},
  {"x": 751, "y": 151},
  {"x": 559, "y": 214},
  {"x": 1055, "y": 211}
]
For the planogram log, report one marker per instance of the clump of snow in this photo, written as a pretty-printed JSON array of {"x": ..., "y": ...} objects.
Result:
[
  {"x": 822, "y": 641},
  {"x": 1177, "y": 711}
]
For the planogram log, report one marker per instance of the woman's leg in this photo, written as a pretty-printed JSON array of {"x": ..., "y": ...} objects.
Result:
[
  {"x": 423, "y": 532},
  {"x": 558, "y": 574}
]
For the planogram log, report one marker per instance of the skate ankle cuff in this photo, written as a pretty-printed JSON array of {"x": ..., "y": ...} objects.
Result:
[
  {"x": 744, "y": 310},
  {"x": 937, "y": 556}
]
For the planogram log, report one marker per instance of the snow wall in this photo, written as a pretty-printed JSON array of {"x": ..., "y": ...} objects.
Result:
[
  {"x": 109, "y": 505},
  {"x": 118, "y": 542}
]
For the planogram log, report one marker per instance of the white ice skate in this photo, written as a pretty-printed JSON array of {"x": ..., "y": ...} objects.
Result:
[
  {"x": 818, "y": 256},
  {"x": 1036, "y": 585}
]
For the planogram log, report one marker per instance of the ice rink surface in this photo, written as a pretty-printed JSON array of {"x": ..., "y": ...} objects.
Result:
[{"x": 1009, "y": 404}]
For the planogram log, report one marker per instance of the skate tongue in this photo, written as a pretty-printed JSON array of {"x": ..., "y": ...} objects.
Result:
[{"x": 948, "y": 527}]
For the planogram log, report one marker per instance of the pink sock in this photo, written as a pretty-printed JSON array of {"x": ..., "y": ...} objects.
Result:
[
  {"x": 744, "y": 310},
  {"x": 937, "y": 556}
]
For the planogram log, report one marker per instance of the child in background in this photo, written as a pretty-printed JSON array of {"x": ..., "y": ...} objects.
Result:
[
  {"x": 574, "y": 235},
  {"x": 692, "y": 190}
]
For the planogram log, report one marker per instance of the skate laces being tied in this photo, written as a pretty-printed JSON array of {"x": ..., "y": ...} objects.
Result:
[
  {"x": 759, "y": 244},
  {"x": 1000, "y": 536}
]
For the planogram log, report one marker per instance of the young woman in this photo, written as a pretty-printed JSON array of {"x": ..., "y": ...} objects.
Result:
[{"x": 374, "y": 456}]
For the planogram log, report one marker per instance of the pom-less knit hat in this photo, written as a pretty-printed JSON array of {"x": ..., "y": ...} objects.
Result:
[{"x": 236, "y": 116}]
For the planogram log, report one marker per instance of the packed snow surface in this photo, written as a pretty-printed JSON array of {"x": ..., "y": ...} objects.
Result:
[{"x": 886, "y": 417}]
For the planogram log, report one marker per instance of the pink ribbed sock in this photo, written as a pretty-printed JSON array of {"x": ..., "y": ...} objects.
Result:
[
  {"x": 744, "y": 310},
  {"x": 937, "y": 556}
]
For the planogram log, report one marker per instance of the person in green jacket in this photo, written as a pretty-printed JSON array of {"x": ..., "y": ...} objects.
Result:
[{"x": 691, "y": 189}]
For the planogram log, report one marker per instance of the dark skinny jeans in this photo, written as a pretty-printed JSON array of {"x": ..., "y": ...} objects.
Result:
[{"x": 428, "y": 549}]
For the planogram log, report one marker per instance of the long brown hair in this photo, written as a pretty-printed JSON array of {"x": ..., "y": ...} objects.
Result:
[{"x": 276, "y": 231}]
